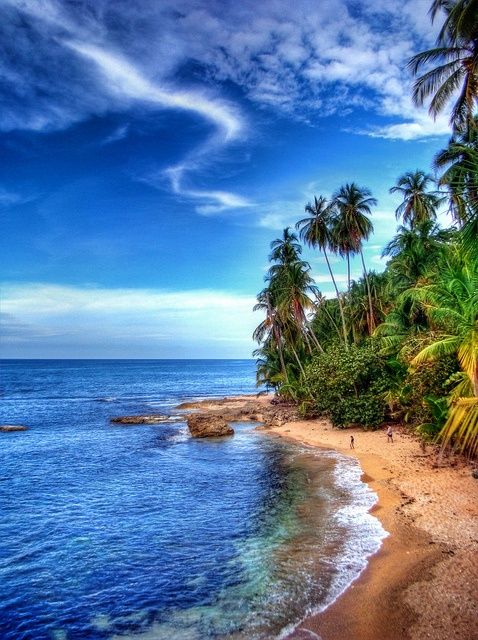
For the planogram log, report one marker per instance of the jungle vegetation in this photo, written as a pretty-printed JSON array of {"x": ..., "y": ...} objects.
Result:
[{"x": 401, "y": 344}]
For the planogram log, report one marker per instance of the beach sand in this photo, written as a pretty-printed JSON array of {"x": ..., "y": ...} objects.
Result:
[{"x": 423, "y": 583}]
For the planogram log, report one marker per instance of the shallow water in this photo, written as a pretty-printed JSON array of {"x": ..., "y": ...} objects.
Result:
[{"x": 112, "y": 531}]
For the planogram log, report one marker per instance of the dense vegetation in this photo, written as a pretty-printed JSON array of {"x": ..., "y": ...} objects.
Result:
[{"x": 403, "y": 344}]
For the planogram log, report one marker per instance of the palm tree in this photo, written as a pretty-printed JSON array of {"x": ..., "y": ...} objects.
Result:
[
  {"x": 327, "y": 315},
  {"x": 286, "y": 301},
  {"x": 268, "y": 367},
  {"x": 293, "y": 284},
  {"x": 286, "y": 249},
  {"x": 414, "y": 253},
  {"x": 270, "y": 330},
  {"x": 316, "y": 232},
  {"x": 460, "y": 161},
  {"x": 357, "y": 306},
  {"x": 419, "y": 204},
  {"x": 351, "y": 226},
  {"x": 452, "y": 306},
  {"x": 456, "y": 56}
]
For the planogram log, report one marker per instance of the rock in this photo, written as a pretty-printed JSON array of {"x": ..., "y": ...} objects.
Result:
[
  {"x": 204, "y": 425},
  {"x": 152, "y": 419},
  {"x": 13, "y": 427}
]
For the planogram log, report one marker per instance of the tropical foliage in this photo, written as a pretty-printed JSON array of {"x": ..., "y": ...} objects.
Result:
[{"x": 402, "y": 344}]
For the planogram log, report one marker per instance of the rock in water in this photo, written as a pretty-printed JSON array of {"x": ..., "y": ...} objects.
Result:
[
  {"x": 203, "y": 425},
  {"x": 13, "y": 427}
]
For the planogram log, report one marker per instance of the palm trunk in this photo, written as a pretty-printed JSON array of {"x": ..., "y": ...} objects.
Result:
[
  {"x": 348, "y": 272},
  {"x": 281, "y": 355},
  {"x": 344, "y": 326},
  {"x": 307, "y": 341},
  {"x": 298, "y": 361},
  {"x": 370, "y": 306},
  {"x": 314, "y": 338}
]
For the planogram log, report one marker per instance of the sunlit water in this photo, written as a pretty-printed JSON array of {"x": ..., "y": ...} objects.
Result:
[{"x": 111, "y": 531}]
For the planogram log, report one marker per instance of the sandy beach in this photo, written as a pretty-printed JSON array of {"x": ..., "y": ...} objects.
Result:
[{"x": 423, "y": 583}]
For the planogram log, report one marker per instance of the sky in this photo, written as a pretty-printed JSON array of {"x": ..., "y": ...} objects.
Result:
[{"x": 152, "y": 150}]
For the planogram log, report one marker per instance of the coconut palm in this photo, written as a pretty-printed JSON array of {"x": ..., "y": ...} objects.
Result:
[
  {"x": 351, "y": 226},
  {"x": 270, "y": 330},
  {"x": 414, "y": 252},
  {"x": 456, "y": 57},
  {"x": 459, "y": 160},
  {"x": 451, "y": 304},
  {"x": 293, "y": 284},
  {"x": 315, "y": 231},
  {"x": 286, "y": 249},
  {"x": 357, "y": 305},
  {"x": 286, "y": 301},
  {"x": 419, "y": 203},
  {"x": 327, "y": 316}
]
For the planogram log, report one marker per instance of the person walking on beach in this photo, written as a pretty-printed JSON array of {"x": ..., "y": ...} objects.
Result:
[
  {"x": 390, "y": 434},
  {"x": 352, "y": 442}
]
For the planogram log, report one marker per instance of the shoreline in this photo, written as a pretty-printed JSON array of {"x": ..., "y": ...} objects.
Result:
[{"x": 423, "y": 581}]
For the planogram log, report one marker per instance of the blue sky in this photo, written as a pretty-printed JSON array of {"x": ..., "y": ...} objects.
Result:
[{"x": 151, "y": 151}]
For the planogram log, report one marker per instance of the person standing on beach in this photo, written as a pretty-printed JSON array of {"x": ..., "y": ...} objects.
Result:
[
  {"x": 390, "y": 434},
  {"x": 352, "y": 442}
]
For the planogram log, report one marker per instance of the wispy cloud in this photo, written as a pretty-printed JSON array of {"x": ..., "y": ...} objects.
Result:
[
  {"x": 8, "y": 198},
  {"x": 128, "y": 82},
  {"x": 124, "y": 79},
  {"x": 120, "y": 133},
  {"x": 214, "y": 201},
  {"x": 306, "y": 59}
]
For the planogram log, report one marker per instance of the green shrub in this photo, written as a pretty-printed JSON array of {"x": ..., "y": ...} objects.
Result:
[
  {"x": 428, "y": 379},
  {"x": 349, "y": 386}
]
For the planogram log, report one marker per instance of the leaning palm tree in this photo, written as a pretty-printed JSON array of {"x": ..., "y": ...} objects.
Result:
[
  {"x": 456, "y": 57},
  {"x": 270, "y": 330},
  {"x": 294, "y": 301},
  {"x": 351, "y": 226},
  {"x": 315, "y": 231},
  {"x": 419, "y": 202}
]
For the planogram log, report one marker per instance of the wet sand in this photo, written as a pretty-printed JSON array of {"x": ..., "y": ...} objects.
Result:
[{"x": 423, "y": 583}]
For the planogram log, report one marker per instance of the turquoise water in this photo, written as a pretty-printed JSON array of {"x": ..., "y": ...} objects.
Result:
[{"x": 110, "y": 531}]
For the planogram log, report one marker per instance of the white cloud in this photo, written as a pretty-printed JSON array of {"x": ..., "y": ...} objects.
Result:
[
  {"x": 276, "y": 221},
  {"x": 126, "y": 80},
  {"x": 101, "y": 318},
  {"x": 306, "y": 59},
  {"x": 379, "y": 260},
  {"x": 215, "y": 201},
  {"x": 325, "y": 279}
]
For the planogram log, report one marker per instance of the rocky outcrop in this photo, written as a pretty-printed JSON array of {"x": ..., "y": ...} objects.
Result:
[
  {"x": 208, "y": 425},
  {"x": 13, "y": 427},
  {"x": 273, "y": 413},
  {"x": 277, "y": 416},
  {"x": 213, "y": 417},
  {"x": 151, "y": 419}
]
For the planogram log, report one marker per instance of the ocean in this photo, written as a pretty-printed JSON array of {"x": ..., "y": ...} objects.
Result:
[{"x": 141, "y": 532}]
